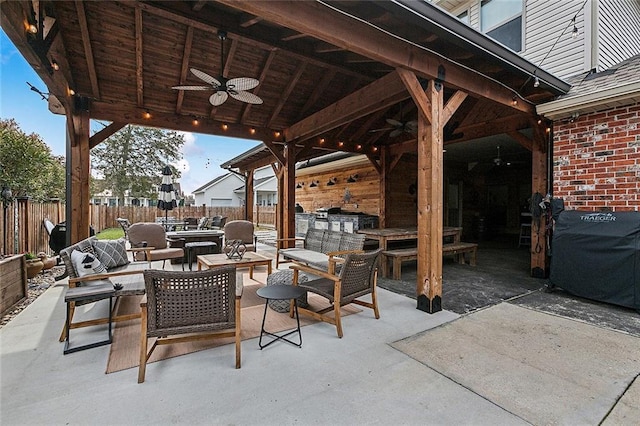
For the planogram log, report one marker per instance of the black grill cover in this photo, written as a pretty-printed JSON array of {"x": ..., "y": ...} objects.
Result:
[{"x": 597, "y": 256}]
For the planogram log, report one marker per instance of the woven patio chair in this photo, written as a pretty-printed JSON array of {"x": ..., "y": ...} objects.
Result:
[
  {"x": 188, "y": 306},
  {"x": 357, "y": 277},
  {"x": 144, "y": 234}
]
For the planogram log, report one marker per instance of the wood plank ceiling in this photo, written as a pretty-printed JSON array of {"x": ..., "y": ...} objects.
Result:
[{"x": 326, "y": 94}]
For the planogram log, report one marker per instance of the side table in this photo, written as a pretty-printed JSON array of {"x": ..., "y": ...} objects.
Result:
[
  {"x": 91, "y": 292},
  {"x": 281, "y": 292},
  {"x": 190, "y": 247}
]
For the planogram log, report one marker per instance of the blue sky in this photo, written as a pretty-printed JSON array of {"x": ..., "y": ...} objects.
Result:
[{"x": 202, "y": 154}]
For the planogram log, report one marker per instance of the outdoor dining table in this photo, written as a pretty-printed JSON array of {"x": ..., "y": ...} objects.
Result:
[{"x": 385, "y": 235}]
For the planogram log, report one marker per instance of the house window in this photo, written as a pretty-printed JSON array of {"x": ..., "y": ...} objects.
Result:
[
  {"x": 113, "y": 202},
  {"x": 502, "y": 21},
  {"x": 464, "y": 17}
]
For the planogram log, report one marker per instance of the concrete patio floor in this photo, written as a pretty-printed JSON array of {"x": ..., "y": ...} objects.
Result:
[{"x": 359, "y": 379}]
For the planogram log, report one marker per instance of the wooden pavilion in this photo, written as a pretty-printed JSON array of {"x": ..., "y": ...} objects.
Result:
[{"x": 329, "y": 72}]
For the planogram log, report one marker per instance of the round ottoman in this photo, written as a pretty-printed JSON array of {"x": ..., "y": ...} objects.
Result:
[{"x": 281, "y": 278}]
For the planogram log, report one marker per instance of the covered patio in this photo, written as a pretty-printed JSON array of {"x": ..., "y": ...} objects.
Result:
[{"x": 329, "y": 72}]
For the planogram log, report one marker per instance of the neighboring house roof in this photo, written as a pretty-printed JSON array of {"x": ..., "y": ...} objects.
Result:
[
  {"x": 256, "y": 183},
  {"x": 211, "y": 183},
  {"x": 591, "y": 91}
]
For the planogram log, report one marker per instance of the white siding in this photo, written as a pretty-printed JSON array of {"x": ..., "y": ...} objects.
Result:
[
  {"x": 221, "y": 193},
  {"x": 618, "y": 30},
  {"x": 545, "y": 21}
]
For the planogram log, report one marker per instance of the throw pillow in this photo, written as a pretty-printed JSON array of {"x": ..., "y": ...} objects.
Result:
[
  {"x": 111, "y": 253},
  {"x": 86, "y": 264}
]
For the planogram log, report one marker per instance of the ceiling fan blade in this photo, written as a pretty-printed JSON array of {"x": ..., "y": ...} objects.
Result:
[
  {"x": 218, "y": 98},
  {"x": 395, "y": 133},
  {"x": 380, "y": 130},
  {"x": 192, "y": 87},
  {"x": 247, "y": 97},
  {"x": 242, "y": 83},
  {"x": 393, "y": 122},
  {"x": 205, "y": 77}
]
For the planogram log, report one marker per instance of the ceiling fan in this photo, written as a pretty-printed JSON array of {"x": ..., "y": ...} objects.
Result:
[
  {"x": 225, "y": 87},
  {"x": 398, "y": 127}
]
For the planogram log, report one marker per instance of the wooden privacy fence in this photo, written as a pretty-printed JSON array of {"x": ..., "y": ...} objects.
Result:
[{"x": 26, "y": 233}]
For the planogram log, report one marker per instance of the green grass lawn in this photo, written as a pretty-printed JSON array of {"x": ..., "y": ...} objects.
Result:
[{"x": 110, "y": 234}]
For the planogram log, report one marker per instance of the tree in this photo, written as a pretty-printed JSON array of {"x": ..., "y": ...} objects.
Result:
[
  {"x": 132, "y": 160},
  {"x": 27, "y": 165}
]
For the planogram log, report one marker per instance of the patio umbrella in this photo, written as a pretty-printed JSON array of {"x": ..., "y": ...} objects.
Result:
[{"x": 166, "y": 193}]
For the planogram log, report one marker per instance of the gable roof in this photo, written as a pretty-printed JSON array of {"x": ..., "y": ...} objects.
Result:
[{"x": 212, "y": 182}]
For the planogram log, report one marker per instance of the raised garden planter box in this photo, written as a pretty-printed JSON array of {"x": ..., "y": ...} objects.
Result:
[{"x": 13, "y": 282}]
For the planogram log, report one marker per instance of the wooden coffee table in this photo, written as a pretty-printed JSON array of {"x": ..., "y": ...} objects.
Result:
[{"x": 249, "y": 260}]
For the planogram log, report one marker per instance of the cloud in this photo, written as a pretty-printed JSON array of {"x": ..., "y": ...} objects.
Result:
[{"x": 190, "y": 146}]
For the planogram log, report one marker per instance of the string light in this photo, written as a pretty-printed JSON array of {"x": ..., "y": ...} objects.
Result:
[
  {"x": 195, "y": 121},
  {"x": 252, "y": 131},
  {"x": 147, "y": 115},
  {"x": 574, "y": 33},
  {"x": 55, "y": 65},
  {"x": 224, "y": 126},
  {"x": 536, "y": 82}
]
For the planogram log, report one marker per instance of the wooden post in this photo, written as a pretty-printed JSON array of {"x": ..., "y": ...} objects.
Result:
[
  {"x": 248, "y": 196},
  {"x": 539, "y": 262},
  {"x": 24, "y": 224},
  {"x": 385, "y": 189},
  {"x": 77, "y": 211},
  {"x": 289, "y": 186}
]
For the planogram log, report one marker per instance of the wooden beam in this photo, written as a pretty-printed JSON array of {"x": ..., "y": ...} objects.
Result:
[
  {"x": 249, "y": 20},
  {"x": 452, "y": 106},
  {"x": 263, "y": 74},
  {"x": 88, "y": 51},
  {"x": 375, "y": 162},
  {"x": 318, "y": 91},
  {"x": 111, "y": 112},
  {"x": 380, "y": 94},
  {"x": 139, "y": 61},
  {"x": 275, "y": 151},
  {"x": 284, "y": 97},
  {"x": 199, "y": 4},
  {"x": 184, "y": 69},
  {"x": 524, "y": 141},
  {"x": 317, "y": 20},
  {"x": 103, "y": 134},
  {"x": 415, "y": 90},
  {"x": 11, "y": 20}
]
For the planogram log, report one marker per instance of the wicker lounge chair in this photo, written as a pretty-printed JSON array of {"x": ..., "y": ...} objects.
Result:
[
  {"x": 357, "y": 277},
  {"x": 186, "y": 306}
]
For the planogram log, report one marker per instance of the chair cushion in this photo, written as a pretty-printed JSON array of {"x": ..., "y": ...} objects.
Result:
[
  {"x": 167, "y": 253},
  {"x": 111, "y": 253},
  {"x": 86, "y": 264}
]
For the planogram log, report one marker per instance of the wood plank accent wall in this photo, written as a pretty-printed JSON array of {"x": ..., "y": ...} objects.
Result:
[{"x": 363, "y": 195}]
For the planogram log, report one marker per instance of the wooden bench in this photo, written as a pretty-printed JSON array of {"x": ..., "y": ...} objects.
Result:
[{"x": 401, "y": 255}]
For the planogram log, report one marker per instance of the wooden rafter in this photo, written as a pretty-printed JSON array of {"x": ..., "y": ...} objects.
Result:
[
  {"x": 316, "y": 20},
  {"x": 524, "y": 141},
  {"x": 225, "y": 72},
  {"x": 284, "y": 97},
  {"x": 199, "y": 22},
  {"x": 88, "y": 51},
  {"x": 249, "y": 20},
  {"x": 139, "y": 62},
  {"x": 186, "y": 54},
  {"x": 256, "y": 91},
  {"x": 317, "y": 92}
]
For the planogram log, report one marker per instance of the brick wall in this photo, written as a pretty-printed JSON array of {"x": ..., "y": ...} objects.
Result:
[{"x": 597, "y": 160}]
